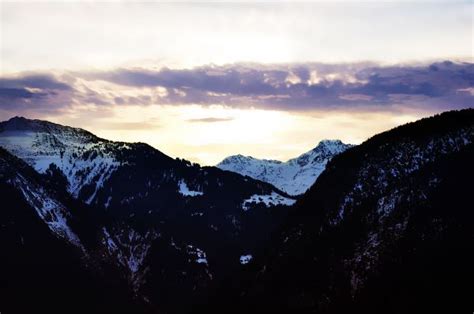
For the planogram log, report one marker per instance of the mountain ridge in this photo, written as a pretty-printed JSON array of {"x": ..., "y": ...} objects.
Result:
[
  {"x": 386, "y": 225},
  {"x": 384, "y": 228},
  {"x": 41, "y": 262},
  {"x": 293, "y": 176},
  {"x": 146, "y": 203}
]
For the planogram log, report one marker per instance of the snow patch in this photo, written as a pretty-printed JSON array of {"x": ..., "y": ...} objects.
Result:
[
  {"x": 245, "y": 259},
  {"x": 272, "y": 199},
  {"x": 198, "y": 254},
  {"x": 184, "y": 190},
  {"x": 129, "y": 248},
  {"x": 51, "y": 211}
]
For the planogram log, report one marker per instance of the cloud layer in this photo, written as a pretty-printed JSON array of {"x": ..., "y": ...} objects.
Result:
[{"x": 289, "y": 87}]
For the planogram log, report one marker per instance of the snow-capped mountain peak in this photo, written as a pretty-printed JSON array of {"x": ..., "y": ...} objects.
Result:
[
  {"x": 294, "y": 176},
  {"x": 322, "y": 153},
  {"x": 23, "y": 124},
  {"x": 83, "y": 158}
]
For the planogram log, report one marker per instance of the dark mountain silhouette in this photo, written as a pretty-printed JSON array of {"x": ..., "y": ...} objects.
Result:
[
  {"x": 386, "y": 228},
  {"x": 39, "y": 269},
  {"x": 91, "y": 225},
  {"x": 169, "y": 228}
]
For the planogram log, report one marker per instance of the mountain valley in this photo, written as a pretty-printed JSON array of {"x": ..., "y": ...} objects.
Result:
[{"x": 121, "y": 227}]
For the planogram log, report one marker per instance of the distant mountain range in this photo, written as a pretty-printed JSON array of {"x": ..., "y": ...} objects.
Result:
[
  {"x": 294, "y": 176},
  {"x": 90, "y": 225}
]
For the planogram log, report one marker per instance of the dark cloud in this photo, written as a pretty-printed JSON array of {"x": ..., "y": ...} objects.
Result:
[
  {"x": 13, "y": 93},
  {"x": 38, "y": 91},
  {"x": 292, "y": 87},
  {"x": 305, "y": 86},
  {"x": 209, "y": 79},
  {"x": 40, "y": 81}
]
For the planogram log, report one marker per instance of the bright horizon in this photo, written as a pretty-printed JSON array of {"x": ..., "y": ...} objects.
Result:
[
  {"x": 213, "y": 148},
  {"x": 203, "y": 81}
]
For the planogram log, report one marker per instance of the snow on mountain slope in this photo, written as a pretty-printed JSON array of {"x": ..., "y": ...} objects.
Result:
[
  {"x": 129, "y": 249},
  {"x": 83, "y": 158},
  {"x": 269, "y": 200},
  {"x": 294, "y": 176},
  {"x": 88, "y": 163},
  {"x": 386, "y": 223},
  {"x": 141, "y": 201},
  {"x": 48, "y": 208},
  {"x": 184, "y": 190}
]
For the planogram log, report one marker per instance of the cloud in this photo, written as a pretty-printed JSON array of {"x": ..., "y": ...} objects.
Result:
[
  {"x": 303, "y": 86},
  {"x": 130, "y": 126},
  {"x": 41, "y": 81},
  {"x": 41, "y": 91},
  {"x": 289, "y": 87},
  {"x": 13, "y": 93},
  {"x": 210, "y": 120}
]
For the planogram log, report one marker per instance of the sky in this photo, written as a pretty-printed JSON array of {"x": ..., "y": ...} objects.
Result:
[{"x": 204, "y": 80}]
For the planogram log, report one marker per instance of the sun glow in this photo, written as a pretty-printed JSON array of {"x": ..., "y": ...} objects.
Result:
[
  {"x": 207, "y": 134},
  {"x": 154, "y": 72}
]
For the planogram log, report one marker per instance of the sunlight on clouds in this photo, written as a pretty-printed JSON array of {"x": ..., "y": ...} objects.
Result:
[{"x": 290, "y": 74}]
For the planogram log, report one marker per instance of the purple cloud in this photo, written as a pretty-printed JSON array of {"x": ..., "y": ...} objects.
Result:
[
  {"x": 292, "y": 87},
  {"x": 40, "y": 91},
  {"x": 41, "y": 81},
  {"x": 305, "y": 86}
]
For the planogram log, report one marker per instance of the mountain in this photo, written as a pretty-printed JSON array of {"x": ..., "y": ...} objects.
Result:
[
  {"x": 44, "y": 257},
  {"x": 170, "y": 229},
  {"x": 294, "y": 176},
  {"x": 388, "y": 227}
]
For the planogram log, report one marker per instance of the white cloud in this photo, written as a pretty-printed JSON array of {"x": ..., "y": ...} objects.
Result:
[{"x": 79, "y": 35}]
